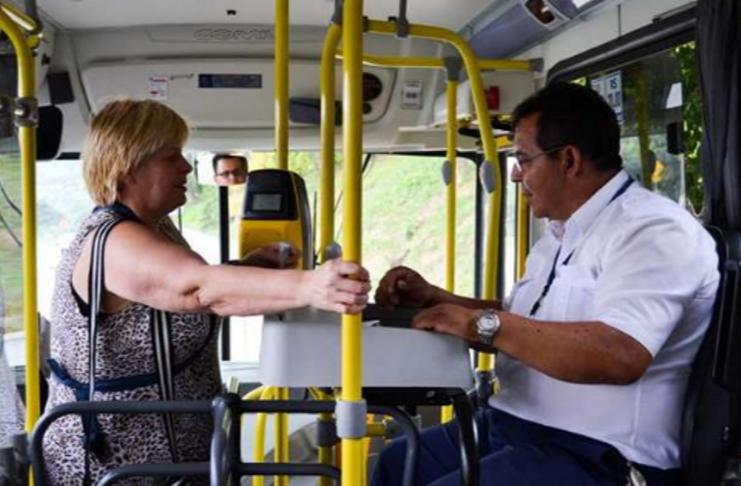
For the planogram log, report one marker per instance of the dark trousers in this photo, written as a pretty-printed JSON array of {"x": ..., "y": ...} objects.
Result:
[{"x": 515, "y": 452}]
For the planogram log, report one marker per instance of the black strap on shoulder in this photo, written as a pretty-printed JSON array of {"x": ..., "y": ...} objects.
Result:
[
  {"x": 162, "y": 341},
  {"x": 93, "y": 439}
]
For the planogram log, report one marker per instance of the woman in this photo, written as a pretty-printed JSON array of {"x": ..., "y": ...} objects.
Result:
[{"x": 135, "y": 171}]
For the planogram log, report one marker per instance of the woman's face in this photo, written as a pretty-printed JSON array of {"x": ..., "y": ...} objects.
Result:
[{"x": 159, "y": 184}]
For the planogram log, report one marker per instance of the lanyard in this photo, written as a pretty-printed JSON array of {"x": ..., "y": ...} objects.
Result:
[{"x": 552, "y": 275}]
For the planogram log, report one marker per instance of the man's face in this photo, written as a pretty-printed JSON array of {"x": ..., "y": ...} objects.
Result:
[
  {"x": 540, "y": 175},
  {"x": 230, "y": 171}
]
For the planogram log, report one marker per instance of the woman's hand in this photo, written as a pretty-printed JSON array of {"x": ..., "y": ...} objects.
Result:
[
  {"x": 274, "y": 255},
  {"x": 336, "y": 286},
  {"x": 402, "y": 286}
]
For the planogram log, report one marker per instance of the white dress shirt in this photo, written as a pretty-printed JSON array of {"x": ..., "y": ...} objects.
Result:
[{"x": 645, "y": 266}]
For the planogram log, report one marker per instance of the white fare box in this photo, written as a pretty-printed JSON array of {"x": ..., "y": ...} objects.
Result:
[{"x": 304, "y": 349}]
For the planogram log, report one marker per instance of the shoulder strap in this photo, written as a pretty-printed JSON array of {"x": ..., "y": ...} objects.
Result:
[
  {"x": 96, "y": 285},
  {"x": 162, "y": 342},
  {"x": 93, "y": 439}
]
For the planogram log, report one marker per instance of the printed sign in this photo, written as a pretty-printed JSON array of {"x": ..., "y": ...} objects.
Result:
[
  {"x": 157, "y": 87},
  {"x": 411, "y": 95},
  {"x": 610, "y": 86}
]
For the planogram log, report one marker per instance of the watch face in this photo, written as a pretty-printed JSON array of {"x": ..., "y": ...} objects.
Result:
[
  {"x": 489, "y": 322},
  {"x": 487, "y": 326}
]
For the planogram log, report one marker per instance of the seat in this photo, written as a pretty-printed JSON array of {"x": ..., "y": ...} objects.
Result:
[{"x": 711, "y": 433}]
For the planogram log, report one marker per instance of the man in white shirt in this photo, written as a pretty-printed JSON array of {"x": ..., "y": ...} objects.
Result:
[{"x": 596, "y": 342}]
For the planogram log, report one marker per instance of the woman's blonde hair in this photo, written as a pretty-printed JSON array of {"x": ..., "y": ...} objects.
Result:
[{"x": 121, "y": 137}]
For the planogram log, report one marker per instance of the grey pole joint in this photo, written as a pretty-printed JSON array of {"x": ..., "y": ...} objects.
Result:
[
  {"x": 402, "y": 23},
  {"x": 26, "y": 112},
  {"x": 537, "y": 65},
  {"x": 453, "y": 66},
  {"x": 488, "y": 176},
  {"x": 339, "y": 7}
]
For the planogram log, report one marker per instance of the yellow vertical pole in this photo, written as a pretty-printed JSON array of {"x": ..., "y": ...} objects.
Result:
[
  {"x": 281, "y": 83},
  {"x": 327, "y": 193},
  {"x": 27, "y": 135},
  {"x": 451, "y": 193},
  {"x": 282, "y": 55},
  {"x": 258, "y": 454},
  {"x": 352, "y": 67},
  {"x": 523, "y": 233}
]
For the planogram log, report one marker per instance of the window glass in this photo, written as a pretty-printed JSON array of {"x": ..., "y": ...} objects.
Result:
[
  {"x": 404, "y": 218},
  {"x": 510, "y": 229},
  {"x": 11, "y": 256},
  {"x": 657, "y": 102}
]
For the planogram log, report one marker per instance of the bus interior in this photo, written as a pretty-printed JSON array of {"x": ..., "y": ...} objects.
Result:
[{"x": 265, "y": 80}]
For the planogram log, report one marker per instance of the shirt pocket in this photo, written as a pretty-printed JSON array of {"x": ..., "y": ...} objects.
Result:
[{"x": 572, "y": 296}]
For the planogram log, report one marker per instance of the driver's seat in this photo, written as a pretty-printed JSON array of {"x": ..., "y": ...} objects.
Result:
[{"x": 711, "y": 428}]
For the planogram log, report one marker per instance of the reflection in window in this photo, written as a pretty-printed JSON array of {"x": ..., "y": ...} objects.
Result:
[{"x": 658, "y": 104}]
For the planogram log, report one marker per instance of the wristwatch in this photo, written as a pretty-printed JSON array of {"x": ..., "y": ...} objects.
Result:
[{"x": 487, "y": 326}]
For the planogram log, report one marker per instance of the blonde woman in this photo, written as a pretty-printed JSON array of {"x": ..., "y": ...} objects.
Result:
[{"x": 152, "y": 334}]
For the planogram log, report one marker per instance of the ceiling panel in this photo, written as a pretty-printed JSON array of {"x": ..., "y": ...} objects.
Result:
[{"x": 84, "y": 14}]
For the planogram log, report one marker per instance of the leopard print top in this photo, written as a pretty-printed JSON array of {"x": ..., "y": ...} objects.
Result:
[{"x": 125, "y": 348}]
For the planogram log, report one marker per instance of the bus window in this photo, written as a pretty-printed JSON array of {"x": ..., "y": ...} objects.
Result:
[
  {"x": 657, "y": 103},
  {"x": 510, "y": 229},
  {"x": 404, "y": 218},
  {"x": 12, "y": 344}
]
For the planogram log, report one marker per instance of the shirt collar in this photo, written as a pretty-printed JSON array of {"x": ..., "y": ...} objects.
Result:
[{"x": 582, "y": 219}]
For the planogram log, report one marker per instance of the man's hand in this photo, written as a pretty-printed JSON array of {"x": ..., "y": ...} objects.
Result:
[
  {"x": 272, "y": 256},
  {"x": 402, "y": 286},
  {"x": 449, "y": 319}
]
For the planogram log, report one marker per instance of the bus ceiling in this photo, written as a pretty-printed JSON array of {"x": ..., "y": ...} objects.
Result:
[{"x": 168, "y": 50}]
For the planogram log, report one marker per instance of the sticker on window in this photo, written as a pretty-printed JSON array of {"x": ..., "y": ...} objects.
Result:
[{"x": 610, "y": 86}]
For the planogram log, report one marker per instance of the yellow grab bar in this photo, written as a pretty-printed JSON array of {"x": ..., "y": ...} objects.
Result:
[
  {"x": 258, "y": 454},
  {"x": 24, "y": 21},
  {"x": 487, "y": 137},
  {"x": 281, "y": 83},
  {"x": 433, "y": 63},
  {"x": 27, "y": 134},
  {"x": 326, "y": 195},
  {"x": 523, "y": 232},
  {"x": 451, "y": 193},
  {"x": 352, "y": 124}
]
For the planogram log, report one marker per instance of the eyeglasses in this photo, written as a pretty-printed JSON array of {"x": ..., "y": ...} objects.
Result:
[
  {"x": 521, "y": 159},
  {"x": 232, "y": 173}
]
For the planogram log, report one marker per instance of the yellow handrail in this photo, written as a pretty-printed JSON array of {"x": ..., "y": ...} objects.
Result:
[
  {"x": 352, "y": 124},
  {"x": 281, "y": 83},
  {"x": 451, "y": 193},
  {"x": 282, "y": 55},
  {"x": 523, "y": 232},
  {"x": 451, "y": 190},
  {"x": 326, "y": 195},
  {"x": 490, "y": 149},
  {"x": 325, "y": 453},
  {"x": 22, "y": 20},
  {"x": 282, "y": 452},
  {"x": 433, "y": 63},
  {"x": 27, "y": 134},
  {"x": 258, "y": 455}
]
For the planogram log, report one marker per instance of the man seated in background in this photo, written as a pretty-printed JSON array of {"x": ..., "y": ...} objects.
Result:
[
  {"x": 596, "y": 341},
  {"x": 230, "y": 170}
]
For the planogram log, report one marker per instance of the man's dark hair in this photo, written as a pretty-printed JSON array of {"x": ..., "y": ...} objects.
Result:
[
  {"x": 570, "y": 114},
  {"x": 218, "y": 157}
]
